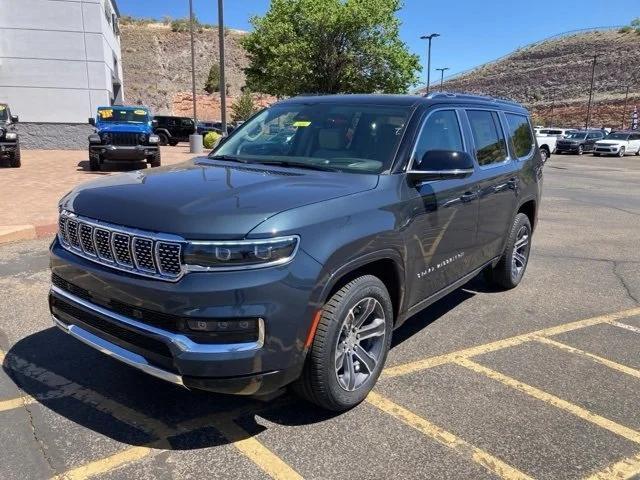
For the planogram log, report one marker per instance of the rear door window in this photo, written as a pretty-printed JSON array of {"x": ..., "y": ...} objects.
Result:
[
  {"x": 520, "y": 133},
  {"x": 488, "y": 137}
]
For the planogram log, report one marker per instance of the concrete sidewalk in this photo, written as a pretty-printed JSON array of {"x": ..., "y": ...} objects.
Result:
[{"x": 30, "y": 194}]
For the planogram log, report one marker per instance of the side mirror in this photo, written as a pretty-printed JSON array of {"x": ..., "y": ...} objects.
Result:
[
  {"x": 92, "y": 121},
  {"x": 442, "y": 165},
  {"x": 154, "y": 123},
  {"x": 15, "y": 119}
]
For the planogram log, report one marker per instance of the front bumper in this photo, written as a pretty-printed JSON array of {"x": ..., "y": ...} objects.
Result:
[
  {"x": 280, "y": 296},
  {"x": 118, "y": 153},
  {"x": 567, "y": 148},
  {"x": 8, "y": 148},
  {"x": 607, "y": 149}
]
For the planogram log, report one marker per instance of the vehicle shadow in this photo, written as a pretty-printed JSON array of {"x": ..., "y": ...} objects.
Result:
[
  {"x": 114, "y": 400},
  {"x": 83, "y": 166}
]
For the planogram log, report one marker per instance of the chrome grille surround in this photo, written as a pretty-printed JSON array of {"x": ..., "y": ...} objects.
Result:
[{"x": 148, "y": 254}]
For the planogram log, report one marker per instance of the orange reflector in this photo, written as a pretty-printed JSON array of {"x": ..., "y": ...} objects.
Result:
[{"x": 312, "y": 329}]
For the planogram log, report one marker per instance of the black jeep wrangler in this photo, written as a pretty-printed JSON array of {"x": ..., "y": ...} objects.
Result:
[
  {"x": 172, "y": 130},
  {"x": 9, "y": 141}
]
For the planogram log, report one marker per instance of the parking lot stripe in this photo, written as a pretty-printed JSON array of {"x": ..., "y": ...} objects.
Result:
[
  {"x": 106, "y": 464},
  {"x": 623, "y": 470},
  {"x": 557, "y": 402},
  {"x": 431, "y": 362},
  {"x": 448, "y": 439},
  {"x": 626, "y": 327},
  {"x": 603, "y": 361},
  {"x": 264, "y": 458},
  {"x": 16, "y": 402}
]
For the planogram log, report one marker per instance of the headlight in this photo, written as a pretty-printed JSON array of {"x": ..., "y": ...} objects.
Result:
[
  {"x": 11, "y": 136},
  {"x": 154, "y": 139},
  {"x": 241, "y": 254},
  {"x": 95, "y": 138}
]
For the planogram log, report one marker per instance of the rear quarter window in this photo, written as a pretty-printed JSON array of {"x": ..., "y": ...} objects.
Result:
[{"x": 520, "y": 133}]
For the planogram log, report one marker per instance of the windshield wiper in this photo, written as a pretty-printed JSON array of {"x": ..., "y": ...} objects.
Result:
[
  {"x": 308, "y": 166},
  {"x": 228, "y": 158}
]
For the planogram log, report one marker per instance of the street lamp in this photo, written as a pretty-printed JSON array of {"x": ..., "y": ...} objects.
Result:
[
  {"x": 593, "y": 74},
  {"x": 195, "y": 140},
  {"x": 223, "y": 85},
  {"x": 429, "y": 37},
  {"x": 442, "y": 70}
]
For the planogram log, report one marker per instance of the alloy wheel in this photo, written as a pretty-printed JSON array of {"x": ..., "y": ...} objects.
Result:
[
  {"x": 520, "y": 252},
  {"x": 360, "y": 345}
]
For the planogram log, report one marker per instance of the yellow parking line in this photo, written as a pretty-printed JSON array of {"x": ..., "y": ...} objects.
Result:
[
  {"x": 255, "y": 451},
  {"x": 568, "y": 348},
  {"x": 105, "y": 465},
  {"x": 16, "y": 402},
  {"x": 622, "y": 470},
  {"x": 557, "y": 402},
  {"x": 448, "y": 439},
  {"x": 423, "y": 364},
  {"x": 626, "y": 327}
]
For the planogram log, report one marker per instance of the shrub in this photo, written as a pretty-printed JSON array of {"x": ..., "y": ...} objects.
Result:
[
  {"x": 213, "y": 81},
  {"x": 210, "y": 139},
  {"x": 243, "y": 107}
]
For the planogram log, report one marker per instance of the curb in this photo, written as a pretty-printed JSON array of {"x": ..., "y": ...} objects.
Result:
[{"x": 18, "y": 233}]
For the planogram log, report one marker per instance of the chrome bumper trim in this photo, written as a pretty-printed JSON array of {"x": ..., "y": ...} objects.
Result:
[
  {"x": 119, "y": 353},
  {"x": 181, "y": 342}
]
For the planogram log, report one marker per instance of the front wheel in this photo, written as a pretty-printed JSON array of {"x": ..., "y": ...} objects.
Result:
[
  {"x": 621, "y": 152},
  {"x": 16, "y": 161},
  {"x": 580, "y": 150},
  {"x": 94, "y": 162},
  {"x": 155, "y": 160},
  {"x": 511, "y": 267},
  {"x": 350, "y": 346}
]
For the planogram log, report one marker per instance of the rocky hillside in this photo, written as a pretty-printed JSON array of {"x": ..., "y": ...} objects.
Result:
[
  {"x": 552, "y": 78},
  {"x": 157, "y": 66}
]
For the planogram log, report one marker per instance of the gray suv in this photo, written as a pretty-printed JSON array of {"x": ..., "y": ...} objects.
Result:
[{"x": 290, "y": 254}]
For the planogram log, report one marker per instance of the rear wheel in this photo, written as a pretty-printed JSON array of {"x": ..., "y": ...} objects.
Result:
[
  {"x": 173, "y": 143},
  {"x": 350, "y": 345},
  {"x": 155, "y": 160},
  {"x": 580, "y": 149},
  {"x": 638, "y": 152},
  {"x": 621, "y": 152},
  {"x": 544, "y": 153},
  {"x": 511, "y": 267},
  {"x": 94, "y": 162},
  {"x": 596, "y": 154},
  {"x": 16, "y": 161},
  {"x": 164, "y": 139}
]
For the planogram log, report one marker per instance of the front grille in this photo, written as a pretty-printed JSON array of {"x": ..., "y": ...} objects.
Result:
[
  {"x": 125, "y": 139},
  {"x": 141, "y": 253}
]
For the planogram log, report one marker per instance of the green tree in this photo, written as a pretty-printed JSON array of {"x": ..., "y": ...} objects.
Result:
[
  {"x": 329, "y": 46},
  {"x": 243, "y": 107},
  {"x": 213, "y": 80}
]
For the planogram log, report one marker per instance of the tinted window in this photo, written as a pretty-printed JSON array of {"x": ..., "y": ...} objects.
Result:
[
  {"x": 489, "y": 140},
  {"x": 595, "y": 135},
  {"x": 441, "y": 131},
  {"x": 520, "y": 133}
]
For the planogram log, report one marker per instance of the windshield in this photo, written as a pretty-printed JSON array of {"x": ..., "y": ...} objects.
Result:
[
  {"x": 618, "y": 136},
  {"x": 577, "y": 136},
  {"x": 4, "y": 113},
  {"x": 349, "y": 138},
  {"x": 123, "y": 115}
]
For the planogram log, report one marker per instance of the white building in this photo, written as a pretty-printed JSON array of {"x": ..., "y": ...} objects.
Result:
[{"x": 59, "y": 59}]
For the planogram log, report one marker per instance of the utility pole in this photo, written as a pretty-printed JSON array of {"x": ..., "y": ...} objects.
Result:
[
  {"x": 429, "y": 37},
  {"x": 195, "y": 140},
  {"x": 593, "y": 76},
  {"x": 624, "y": 109},
  {"x": 442, "y": 70},
  {"x": 223, "y": 83}
]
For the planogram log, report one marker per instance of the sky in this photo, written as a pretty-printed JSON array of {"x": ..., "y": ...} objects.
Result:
[{"x": 472, "y": 31}]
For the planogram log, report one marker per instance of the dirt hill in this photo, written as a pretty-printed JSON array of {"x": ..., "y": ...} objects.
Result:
[
  {"x": 552, "y": 78},
  {"x": 157, "y": 66}
]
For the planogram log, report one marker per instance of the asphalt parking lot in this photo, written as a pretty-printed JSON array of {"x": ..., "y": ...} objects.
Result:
[{"x": 539, "y": 382}]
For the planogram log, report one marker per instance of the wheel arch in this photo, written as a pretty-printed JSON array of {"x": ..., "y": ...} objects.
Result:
[{"x": 529, "y": 208}]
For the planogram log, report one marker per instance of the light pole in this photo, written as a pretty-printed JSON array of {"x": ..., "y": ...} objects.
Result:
[
  {"x": 223, "y": 85},
  {"x": 593, "y": 75},
  {"x": 624, "y": 109},
  {"x": 429, "y": 37},
  {"x": 195, "y": 140},
  {"x": 442, "y": 70}
]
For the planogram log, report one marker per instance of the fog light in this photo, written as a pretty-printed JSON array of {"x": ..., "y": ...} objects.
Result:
[{"x": 219, "y": 326}]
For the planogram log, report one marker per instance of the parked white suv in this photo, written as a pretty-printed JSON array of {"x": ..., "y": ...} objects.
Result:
[
  {"x": 618, "y": 143},
  {"x": 556, "y": 132}
]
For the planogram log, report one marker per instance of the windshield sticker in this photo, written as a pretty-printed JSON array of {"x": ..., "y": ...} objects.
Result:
[
  {"x": 140, "y": 112},
  {"x": 302, "y": 123},
  {"x": 2, "y": 107},
  {"x": 107, "y": 113}
]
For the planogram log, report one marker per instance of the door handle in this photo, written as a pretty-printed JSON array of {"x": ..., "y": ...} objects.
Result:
[
  {"x": 513, "y": 183},
  {"x": 469, "y": 196}
]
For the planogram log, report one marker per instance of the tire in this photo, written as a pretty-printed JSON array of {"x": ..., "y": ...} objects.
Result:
[
  {"x": 94, "y": 162},
  {"x": 580, "y": 149},
  {"x": 621, "y": 152},
  {"x": 595, "y": 154},
  {"x": 638, "y": 152},
  {"x": 16, "y": 160},
  {"x": 544, "y": 153},
  {"x": 173, "y": 143},
  {"x": 164, "y": 139},
  {"x": 321, "y": 382},
  {"x": 155, "y": 160},
  {"x": 509, "y": 271}
]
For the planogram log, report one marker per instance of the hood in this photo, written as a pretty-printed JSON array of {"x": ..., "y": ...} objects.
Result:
[
  {"x": 207, "y": 199},
  {"x": 123, "y": 127}
]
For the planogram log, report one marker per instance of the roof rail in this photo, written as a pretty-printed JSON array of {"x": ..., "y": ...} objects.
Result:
[{"x": 471, "y": 96}]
